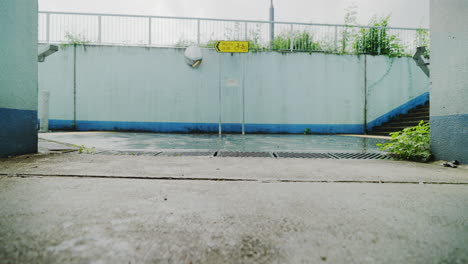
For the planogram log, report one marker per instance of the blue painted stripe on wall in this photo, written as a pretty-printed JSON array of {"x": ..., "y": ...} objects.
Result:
[
  {"x": 174, "y": 127},
  {"x": 449, "y": 137},
  {"x": 57, "y": 124},
  {"x": 18, "y": 132},
  {"x": 299, "y": 128},
  {"x": 402, "y": 109}
]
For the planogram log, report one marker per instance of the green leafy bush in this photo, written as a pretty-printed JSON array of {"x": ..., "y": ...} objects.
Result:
[
  {"x": 300, "y": 41},
  {"x": 413, "y": 143},
  {"x": 377, "y": 41},
  {"x": 423, "y": 39},
  {"x": 75, "y": 40}
]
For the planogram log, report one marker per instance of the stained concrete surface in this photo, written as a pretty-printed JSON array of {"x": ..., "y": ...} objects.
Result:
[
  {"x": 253, "y": 169},
  {"x": 84, "y": 208},
  {"x": 71, "y": 220},
  {"x": 230, "y": 142}
]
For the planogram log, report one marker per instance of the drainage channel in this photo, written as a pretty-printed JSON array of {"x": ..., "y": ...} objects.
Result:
[{"x": 253, "y": 154}]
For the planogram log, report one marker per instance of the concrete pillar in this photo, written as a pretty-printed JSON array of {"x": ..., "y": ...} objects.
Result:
[
  {"x": 18, "y": 77},
  {"x": 449, "y": 75}
]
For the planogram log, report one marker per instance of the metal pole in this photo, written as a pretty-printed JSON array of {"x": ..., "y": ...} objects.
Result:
[
  {"x": 336, "y": 39},
  {"x": 365, "y": 94},
  {"x": 74, "y": 86},
  {"x": 378, "y": 42},
  {"x": 219, "y": 97},
  {"x": 47, "y": 28},
  {"x": 291, "y": 38},
  {"x": 198, "y": 32},
  {"x": 272, "y": 24},
  {"x": 149, "y": 31},
  {"x": 245, "y": 31},
  {"x": 99, "y": 29},
  {"x": 44, "y": 115},
  {"x": 243, "y": 94}
]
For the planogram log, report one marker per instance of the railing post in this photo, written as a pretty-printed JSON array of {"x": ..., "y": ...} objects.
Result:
[
  {"x": 378, "y": 41},
  {"x": 336, "y": 38},
  {"x": 291, "y": 37},
  {"x": 149, "y": 32},
  {"x": 272, "y": 24},
  {"x": 47, "y": 28},
  {"x": 245, "y": 31},
  {"x": 99, "y": 29},
  {"x": 198, "y": 32}
]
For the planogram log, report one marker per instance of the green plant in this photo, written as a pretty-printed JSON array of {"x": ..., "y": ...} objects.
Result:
[
  {"x": 377, "y": 40},
  {"x": 74, "y": 40},
  {"x": 412, "y": 143},
  {"x": 209, "y": 44},
  {"x": 307, "y": 131},
  {"x": 82, "y": 149},
  {"x": 301, "y": 41},
  {"x": 184, "y": 43},
  {"x": 423, "y": 40},
  {"x": 348, "y": 32}
]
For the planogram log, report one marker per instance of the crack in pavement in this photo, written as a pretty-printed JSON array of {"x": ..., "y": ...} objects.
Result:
[{"x": 38, "y": 175}]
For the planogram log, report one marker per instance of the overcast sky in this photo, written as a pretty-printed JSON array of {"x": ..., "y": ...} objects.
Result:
[{"x": 404, "y": 13}]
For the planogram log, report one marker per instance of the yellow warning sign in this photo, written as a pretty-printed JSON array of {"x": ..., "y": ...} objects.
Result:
[{"x": 232, "y": 46}]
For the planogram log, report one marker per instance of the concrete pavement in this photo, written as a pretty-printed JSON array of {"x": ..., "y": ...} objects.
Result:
[
  {"x": 95, "y": 220},
  {"x": 84, "y": 208}
]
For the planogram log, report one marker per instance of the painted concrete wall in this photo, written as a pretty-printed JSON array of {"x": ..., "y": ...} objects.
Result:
[
  {"x": 394, "y": 86},
  {"x": 152, "y": 89},
  {"x": 449, "y": 74},
  {"x": 18, "y": 77},
  {"x": 56, "y": 76}
]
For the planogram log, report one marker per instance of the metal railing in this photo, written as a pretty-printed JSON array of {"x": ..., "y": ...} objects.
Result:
[{"x": 163, "y": 31}]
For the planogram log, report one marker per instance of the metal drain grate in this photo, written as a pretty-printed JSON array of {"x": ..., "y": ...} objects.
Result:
[
  {"x": 244, "y": 154},
  {"x": 359, "y": 156},
  {"x": 304, "y": 155},
  {"x": 187, "y": 154},
  {"x": 241, "y": 154},
  {"x": 132, "y": 153}
]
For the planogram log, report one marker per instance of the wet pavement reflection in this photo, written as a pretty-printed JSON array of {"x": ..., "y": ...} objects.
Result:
[{"x": 229, "y": 142}]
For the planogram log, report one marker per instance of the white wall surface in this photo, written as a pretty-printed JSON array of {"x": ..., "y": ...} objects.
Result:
[
  {"x": 449, "y": 74},
  {"x": 449, "y": 61},
  {"x": 392, "y": 82},
  {"x": 18, "y": 48},
  {"x": 138, "y": 84},
  {"x": 56, "y": 76}
]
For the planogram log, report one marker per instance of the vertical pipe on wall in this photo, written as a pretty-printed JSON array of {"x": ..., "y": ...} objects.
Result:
[
  {"x": 365, "y": 94},
  {"x": 243, "y": 94},
  {"x": 74, "y": 87},
  {"x": 219, "y": 95}
]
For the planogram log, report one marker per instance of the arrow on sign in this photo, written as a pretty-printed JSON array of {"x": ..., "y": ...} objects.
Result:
[{"x": 232, "y": 46}]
